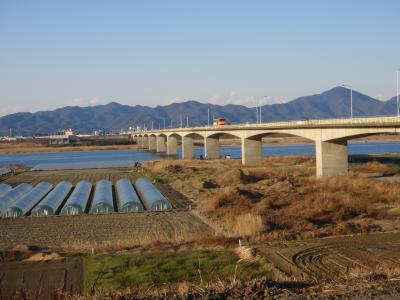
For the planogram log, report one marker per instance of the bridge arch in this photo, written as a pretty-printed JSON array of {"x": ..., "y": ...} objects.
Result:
[
  {"x": 193, "y": 135},
  {"x": 351, "y": 134},
  {"x": 215, "y": 135},
  {"x": 174, "y": 134},
  {"x": 162, "y": 135},
  {"x": 309, "y": 135}
]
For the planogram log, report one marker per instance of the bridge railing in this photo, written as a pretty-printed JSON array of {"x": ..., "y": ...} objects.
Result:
[{"x": 296, "y": 123}]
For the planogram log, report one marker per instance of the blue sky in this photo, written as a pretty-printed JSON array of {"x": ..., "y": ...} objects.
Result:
[{"x": 58, "y": 53}]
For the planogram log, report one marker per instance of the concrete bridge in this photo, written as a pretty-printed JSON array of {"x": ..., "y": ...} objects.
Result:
[{"x": 330, "y": 137}]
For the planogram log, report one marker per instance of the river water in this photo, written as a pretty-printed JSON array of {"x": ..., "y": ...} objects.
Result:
[{"x": 117, "y": 158}]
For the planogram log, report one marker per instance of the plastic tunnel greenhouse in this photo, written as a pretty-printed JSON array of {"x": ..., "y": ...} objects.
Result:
[
  {"x": 127, "y": 198},
  {"x": 103, "y": 198},
  {"x": 50, "y": 204},
  {"x": 151, "y": 196},
  {"x": 4, "y": 188},
  {"x": 29, "y": 200},
  {"x": 78, "y": 200},
  {"x": 12, "y": 196}
]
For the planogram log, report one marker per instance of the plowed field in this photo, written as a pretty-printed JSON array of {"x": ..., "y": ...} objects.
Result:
[
  {"x": 40, "y": 279},
  {"x": 101, "y": 231},
  {"x": 336, "y": 257}
]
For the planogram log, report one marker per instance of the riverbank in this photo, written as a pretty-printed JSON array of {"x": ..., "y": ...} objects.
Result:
[{"x": 31, "y": 147}]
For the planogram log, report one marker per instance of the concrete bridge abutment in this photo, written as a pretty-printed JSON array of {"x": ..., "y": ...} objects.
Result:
[
  {"x": 211, "y": 148},
  {"x": 172, "y": 145},
  {"x": 251, "y": 151},
  {"x": 161, "y": 147},
  {"x": 187, "y": 147},
  {"x": 331, "y": 158},
  {"x": 152, "y": 143}
]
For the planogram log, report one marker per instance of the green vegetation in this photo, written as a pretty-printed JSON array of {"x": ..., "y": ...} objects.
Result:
[
  {"x": 110, "y": 272},
  {"x": 161, "y": 178}
]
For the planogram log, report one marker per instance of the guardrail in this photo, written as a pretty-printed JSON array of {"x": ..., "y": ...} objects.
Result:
[{"x": 371, "y": 120}]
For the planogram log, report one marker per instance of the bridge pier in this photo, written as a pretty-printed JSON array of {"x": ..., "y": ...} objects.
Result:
[
  {"x": 172, "y": 145},
  {"x": 161, "y": 144},
  {"x": 211, "y": 148},
  {"x": 152, "y": 143},
  {"x": 251, "y": 151},
  {"x": 331, "y": 158},
  {"x": 145, "y": 142},
  {"x": 187, "y": 147},
  {"x": 139, "y": 140}
]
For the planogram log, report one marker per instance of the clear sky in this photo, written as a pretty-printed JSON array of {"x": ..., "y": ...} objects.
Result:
[{"x": 82, "y": 52}]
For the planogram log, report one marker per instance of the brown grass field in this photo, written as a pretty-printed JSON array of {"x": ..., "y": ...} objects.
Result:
[
  {"x": 29, "y": 147},
  {"x": 282, "y": 199}
]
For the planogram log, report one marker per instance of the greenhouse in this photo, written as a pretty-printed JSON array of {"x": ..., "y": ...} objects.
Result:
[
  {"x": 127, "y": 198},
  {"x": 24, "y": 205},
  {"x": 151, "y": 196},
  {"x": 4, "y": 188},
  {"x": 51, "y": 203},
  {"x": 78, "y": 200},
  {"x": 103, "y": 198},
  {"x": 12, "y": 196}
]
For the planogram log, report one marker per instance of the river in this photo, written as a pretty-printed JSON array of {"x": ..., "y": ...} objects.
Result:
[{"x": 118, "y": 158}]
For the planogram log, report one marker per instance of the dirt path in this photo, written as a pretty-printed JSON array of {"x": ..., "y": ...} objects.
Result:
[{"x": 40, "y": 279}]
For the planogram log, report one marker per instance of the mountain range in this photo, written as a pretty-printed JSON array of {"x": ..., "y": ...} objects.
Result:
[{"x": 334, "y": 103}]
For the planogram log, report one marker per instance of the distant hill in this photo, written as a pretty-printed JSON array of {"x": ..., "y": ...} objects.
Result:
[{"x": 333, "y": 103}]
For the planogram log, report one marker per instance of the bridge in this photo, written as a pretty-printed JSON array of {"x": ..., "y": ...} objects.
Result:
[{"x": 330, "y": 136}]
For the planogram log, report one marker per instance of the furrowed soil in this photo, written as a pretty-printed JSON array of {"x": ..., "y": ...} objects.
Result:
[
  {"x": 106, "y": 231},
  {"x": 41, "y": 279}
]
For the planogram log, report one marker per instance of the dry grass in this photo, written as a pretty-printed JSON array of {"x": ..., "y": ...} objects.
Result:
[
  {"x": 249, "y": 224},
  {"x": 373, "y": 167},
  {"x": 283, "y": 199},
  {"x": 28, "y": 147}
]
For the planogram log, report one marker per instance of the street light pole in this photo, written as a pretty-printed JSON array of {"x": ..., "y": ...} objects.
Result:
[
  {"x": 398, "y": 108},
  {"x": 208, "y": 117},
  {"x": 261, "y": 109},
  {"x": 351, "y": 99},
  {"x": 256, "y": 112},
  {"x": 164, "y": 123}
]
